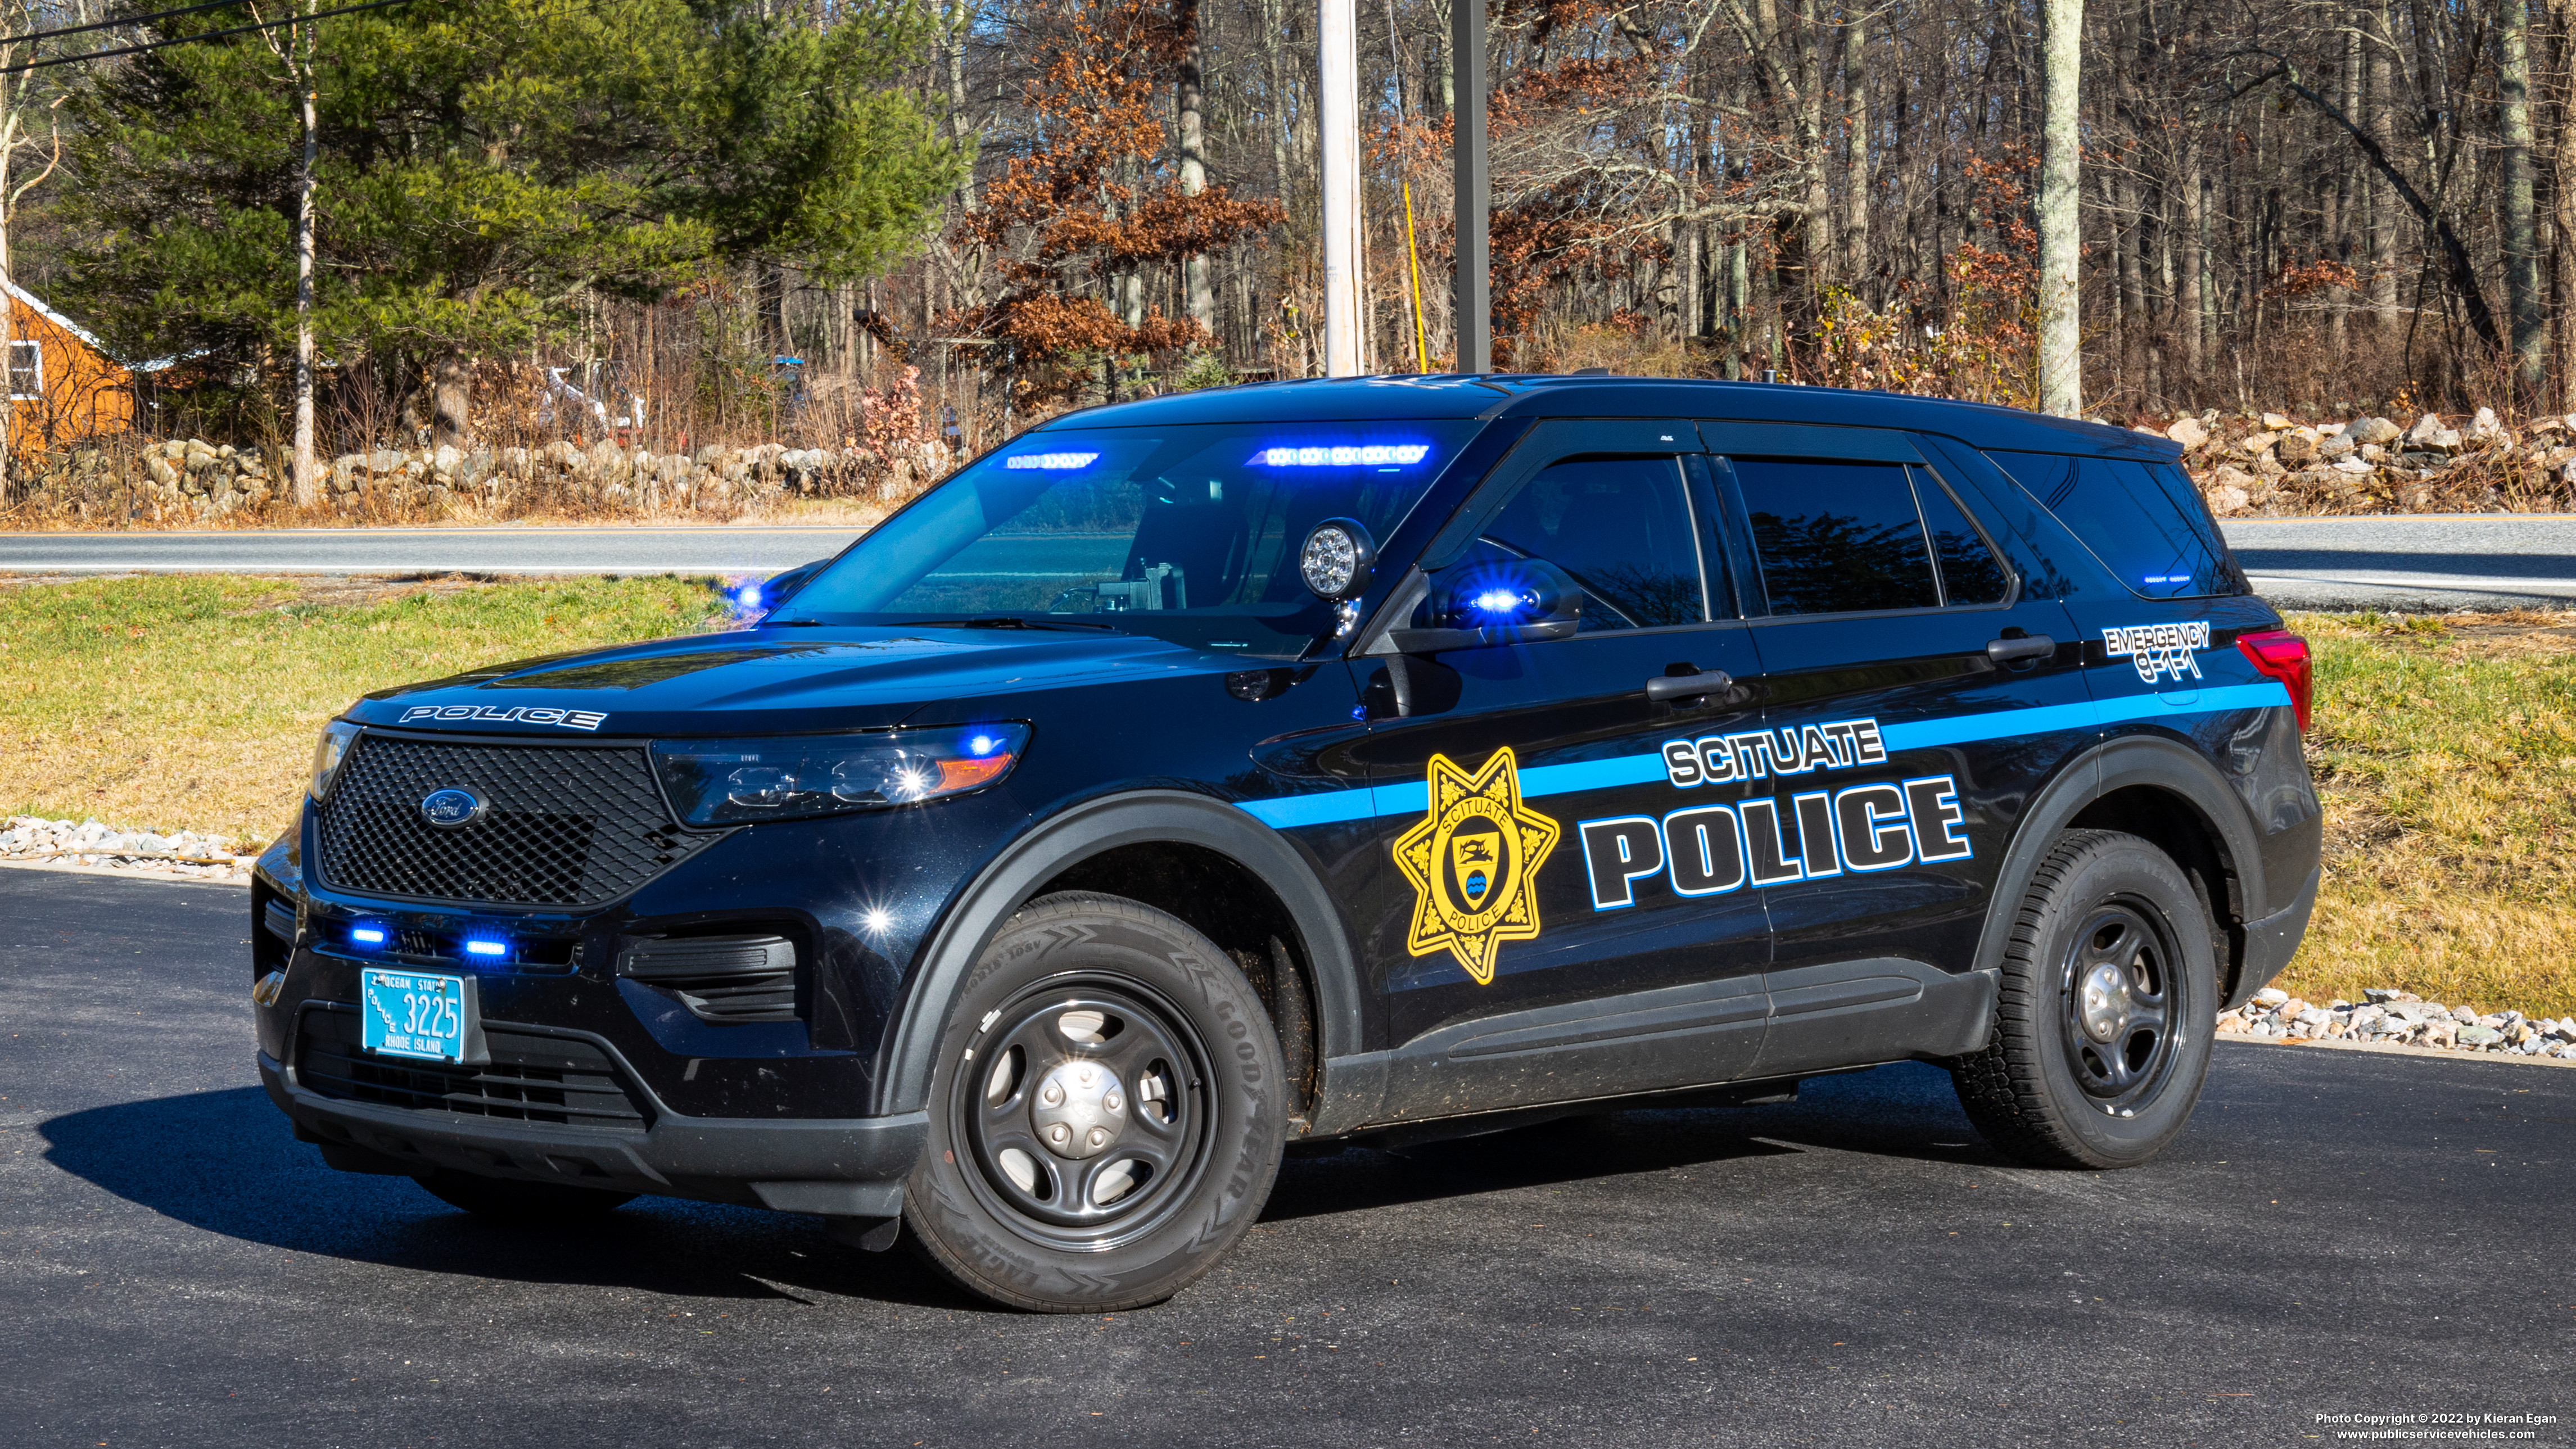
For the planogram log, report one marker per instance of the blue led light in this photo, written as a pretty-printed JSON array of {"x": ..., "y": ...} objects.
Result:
[
  {"x": 749, "y": 597},
  {"x": 1050, "y": 462},
  {"x": 1346, "y": 455},
  {"x": 1497, "y": 601},
  {"x": 367, "y": 935},
  {"x": 980, "y": 745},
  {"x": 487, "y": 948}
]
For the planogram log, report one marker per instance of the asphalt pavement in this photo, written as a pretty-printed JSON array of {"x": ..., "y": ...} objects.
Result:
[
  {"x": 494, "y": 550},
  {"x": 2338, "y": 1233},
  {"x": 2427, "y": 562}
]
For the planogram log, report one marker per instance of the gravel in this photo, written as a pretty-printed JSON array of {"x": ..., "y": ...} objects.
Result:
[
  {"x": 2401, "y": 1018},
  {"x": 35, "y": 840}
]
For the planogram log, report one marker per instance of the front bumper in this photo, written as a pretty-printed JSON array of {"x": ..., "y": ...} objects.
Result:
[{"x": 851, "y": 1167}]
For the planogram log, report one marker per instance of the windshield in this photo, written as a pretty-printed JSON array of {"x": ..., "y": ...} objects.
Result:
[{"x": 1186, "y": 533}]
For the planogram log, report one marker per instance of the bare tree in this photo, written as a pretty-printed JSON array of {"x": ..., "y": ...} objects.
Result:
[{"x": 2061, "y": 328}]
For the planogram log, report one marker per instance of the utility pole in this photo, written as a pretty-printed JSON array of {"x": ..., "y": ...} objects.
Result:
[
  {"x": 1338, "y": 111},
  {"x": 1474, "y": 284},
  {"x": 2061, "y": 334}
]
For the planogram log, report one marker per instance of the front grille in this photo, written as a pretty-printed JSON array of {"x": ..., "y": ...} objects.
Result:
[
  {"x": 563, "y": 827},
  {"x": 531, "y": 1077}
]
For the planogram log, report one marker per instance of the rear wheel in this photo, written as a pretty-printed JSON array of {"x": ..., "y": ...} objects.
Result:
[
  {"x": 2106, "y": 1011},
  {"x": 507, "y": 1201},
  {"x": 1106, "y": 1117}
]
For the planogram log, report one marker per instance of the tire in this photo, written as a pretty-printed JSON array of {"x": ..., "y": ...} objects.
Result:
[
  {"x": 532, "y": 1204},
  {"x": 2106, "y": 1011},
  {"x": 1044, "y": 1186}
]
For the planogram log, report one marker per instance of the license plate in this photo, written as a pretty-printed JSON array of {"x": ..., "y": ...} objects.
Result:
[{"x": 413, "y": 1014}]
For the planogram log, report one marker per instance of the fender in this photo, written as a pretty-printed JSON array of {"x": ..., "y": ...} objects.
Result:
[
  {"x": 1089, "y": 829},
  {"x": 2117, "y": 765}
]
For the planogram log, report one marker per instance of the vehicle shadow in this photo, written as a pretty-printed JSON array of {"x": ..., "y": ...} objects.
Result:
[
  {"x": 226, "y": 1163},
  {"x": 1902, "y": 1111}
]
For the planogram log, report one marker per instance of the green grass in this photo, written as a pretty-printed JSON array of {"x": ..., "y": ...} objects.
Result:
[
  {"x": 192, "y": 702},
  {"x": 2445, "y": 751}
]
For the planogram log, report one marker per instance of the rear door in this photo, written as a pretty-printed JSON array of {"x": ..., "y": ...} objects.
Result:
[
  {"x": 1919, "y": 693},
  {"x": 1523, "y": 944}
]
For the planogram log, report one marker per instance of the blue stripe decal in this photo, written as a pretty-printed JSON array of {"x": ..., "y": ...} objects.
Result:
[{"x": 1414, "y": 797}]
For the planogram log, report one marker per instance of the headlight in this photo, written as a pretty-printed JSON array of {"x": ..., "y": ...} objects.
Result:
[
  {"x": 329, "y": 752},
  {"x": 732, "y": 782}
]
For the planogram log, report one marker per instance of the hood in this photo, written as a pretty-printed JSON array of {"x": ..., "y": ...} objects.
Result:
[{"x": 779, "y": 681}]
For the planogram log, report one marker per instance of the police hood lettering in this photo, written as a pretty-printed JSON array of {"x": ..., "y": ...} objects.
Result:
[{"x": 535, "y": 714}]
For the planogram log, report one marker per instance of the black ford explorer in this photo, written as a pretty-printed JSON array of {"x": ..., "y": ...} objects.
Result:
[{"x": 1395, "y": 758}]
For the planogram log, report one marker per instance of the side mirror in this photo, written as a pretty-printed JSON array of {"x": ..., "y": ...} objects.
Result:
[
  {"x": 1337, "y": 559},
  {"x": 1479, "y": 605}
]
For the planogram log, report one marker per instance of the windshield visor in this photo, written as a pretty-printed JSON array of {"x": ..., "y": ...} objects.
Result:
[{"x": 1185, "y": 533}]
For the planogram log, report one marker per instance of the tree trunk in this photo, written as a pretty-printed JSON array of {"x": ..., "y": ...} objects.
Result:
[
  {"x": 2190, "y": 307},
  {"x": 1202, "y": 292},
  {"x": 2562, "y": 198},
  {"x": 2530, "y": 316},
  {"x": 451, "y": 401},
  {"x": 307, "y": 474},
  {"x": 2061, "y": 338},
  {"x": 8, "y": 315},
  {"x": 2383, "y": 215},
  {"x": 1856, "y": 180}
]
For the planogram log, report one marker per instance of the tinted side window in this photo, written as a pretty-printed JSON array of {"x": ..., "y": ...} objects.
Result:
[
  {"x": 2144, "y": 521},
  {"x": 1836, "y": 538},
  {"x": 1621, "y": 526},
  {"x": 1970, "y": 572}
]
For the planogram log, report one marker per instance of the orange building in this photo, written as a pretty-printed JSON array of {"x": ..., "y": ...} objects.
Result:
[{"x": 63, "y": 386}]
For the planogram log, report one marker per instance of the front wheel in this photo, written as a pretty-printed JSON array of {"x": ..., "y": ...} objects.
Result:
[
  {"x": 2106, "y": 1011},
  {"x": 1106, "y": 1117}
]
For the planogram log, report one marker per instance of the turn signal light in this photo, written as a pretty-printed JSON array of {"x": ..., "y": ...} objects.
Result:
[{"x": 2281, "y": 655}]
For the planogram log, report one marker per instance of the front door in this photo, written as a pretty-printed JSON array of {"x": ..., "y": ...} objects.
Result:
[
  {"x": 1920, "y": 693},
  {"x": 1524, "y": 941}
]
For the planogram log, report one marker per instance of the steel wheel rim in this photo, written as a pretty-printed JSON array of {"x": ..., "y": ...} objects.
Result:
[
  {"x": 2117, "y": 1004},
  {"x": 1081, "y": 1112}
]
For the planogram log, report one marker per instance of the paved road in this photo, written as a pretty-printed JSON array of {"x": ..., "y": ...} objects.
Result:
[
  {"x": 2338, "y": 1233},
  {"x": 502, "y": 550},
  {"x": 2476, "y": 561},
  {"x": 2473, "y": 562},
  {"x": 2302, "y": 562}
]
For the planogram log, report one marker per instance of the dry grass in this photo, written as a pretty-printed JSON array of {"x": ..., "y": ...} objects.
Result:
[
  {"x": 2446, "y": 754},
  {"x": 2445, "y": 749},
  {"x": 192, "y": 703}
]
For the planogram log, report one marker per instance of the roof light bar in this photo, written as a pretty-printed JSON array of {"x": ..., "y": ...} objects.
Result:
[
  {"x": 1051, "y": 462},
  {"x": 1344, "y": 456}
]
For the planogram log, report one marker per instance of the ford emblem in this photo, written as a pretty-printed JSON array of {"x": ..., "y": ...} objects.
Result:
[{"x": 448, "y": 809}]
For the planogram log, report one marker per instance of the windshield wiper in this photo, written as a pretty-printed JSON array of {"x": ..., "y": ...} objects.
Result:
[{"x": 1005, "y": 621}]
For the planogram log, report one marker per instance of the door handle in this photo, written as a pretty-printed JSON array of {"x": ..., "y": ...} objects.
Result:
[
  {"x": 1665, "y": 687},
  {"x": 2037, "y": 646}
]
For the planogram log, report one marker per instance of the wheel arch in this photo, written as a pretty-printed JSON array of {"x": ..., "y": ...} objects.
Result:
[
  {"x": 2166, "y": 793},
  {"x": 1082, "y": 848}
]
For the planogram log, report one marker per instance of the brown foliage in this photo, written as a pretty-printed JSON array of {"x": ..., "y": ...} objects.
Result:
[{"x": 1068, "y": 220}]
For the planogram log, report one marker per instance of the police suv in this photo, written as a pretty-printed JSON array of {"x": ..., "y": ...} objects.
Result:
[{"x": 1194, "y": 779}]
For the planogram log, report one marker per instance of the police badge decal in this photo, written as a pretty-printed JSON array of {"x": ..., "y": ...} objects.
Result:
[{"x": 1474, "y": 863}]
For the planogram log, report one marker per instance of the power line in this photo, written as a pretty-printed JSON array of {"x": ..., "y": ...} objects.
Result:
[
  {"x": 193, "y": 39},
  {"x": 119, "y": 23}
]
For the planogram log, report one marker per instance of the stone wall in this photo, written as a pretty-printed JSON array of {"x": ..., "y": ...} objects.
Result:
[
  {"x": 189, "y": 480},
  {"x": 2273, "y": 464}
]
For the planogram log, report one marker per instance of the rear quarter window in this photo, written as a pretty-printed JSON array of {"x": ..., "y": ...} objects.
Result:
[{"x": 2144, "y": 521}]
